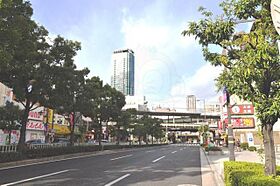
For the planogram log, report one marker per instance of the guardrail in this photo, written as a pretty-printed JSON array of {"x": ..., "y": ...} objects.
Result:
[
  {"x": 46, "y": 145},
  {"x": 8, "y": 148},
  {"x": 13, "y": 148}
]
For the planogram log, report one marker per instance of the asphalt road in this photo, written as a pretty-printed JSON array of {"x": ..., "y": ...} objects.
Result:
[{"x": 163, "y": 166}]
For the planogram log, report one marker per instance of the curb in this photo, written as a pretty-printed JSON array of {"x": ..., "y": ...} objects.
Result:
[{"x": 218, "y": 178}]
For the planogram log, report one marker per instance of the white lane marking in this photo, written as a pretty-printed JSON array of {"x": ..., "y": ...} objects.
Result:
[
  {"x": 117, "y": 180},
  {"x": 158, "y": 159},
  {"x": 174, "y": 152},
  {"x": 150, "y": 151},
  {"x": 35, "y": 178},
  {"x": 121, "y": 157},
  {"x": 181, "y": 149},
  {"x": 50, "y": 161}
]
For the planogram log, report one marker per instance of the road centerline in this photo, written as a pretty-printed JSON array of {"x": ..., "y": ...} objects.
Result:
[
  {"x": 117, "y": 180},
  {"x": 174, "y": 152},
  {"x": 158, "y": 159},
  {"x": 121, "y": 157},
  {"x": 35, "y": 178}
]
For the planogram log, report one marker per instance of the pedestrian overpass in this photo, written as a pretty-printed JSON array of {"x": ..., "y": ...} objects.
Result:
[{"x": 183, "y": 125}]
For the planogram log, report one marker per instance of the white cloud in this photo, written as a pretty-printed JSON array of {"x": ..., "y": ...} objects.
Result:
[
  {"x": 201, "y": 84},
  {"x": 155, "y": 47},
  {"x": 201, "y": 81}
]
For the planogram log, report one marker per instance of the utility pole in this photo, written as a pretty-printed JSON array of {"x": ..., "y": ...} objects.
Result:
[{"x": 230, "y": 128}]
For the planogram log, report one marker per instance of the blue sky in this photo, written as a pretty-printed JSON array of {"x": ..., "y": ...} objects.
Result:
[{"x": 168, "y": 65}]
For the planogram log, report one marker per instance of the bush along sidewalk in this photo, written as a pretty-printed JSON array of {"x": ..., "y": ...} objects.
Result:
[
  {"x": 213, "y": 150},
  {"x": 246, "y": 173},
  {"x": 57, "y": 151}
]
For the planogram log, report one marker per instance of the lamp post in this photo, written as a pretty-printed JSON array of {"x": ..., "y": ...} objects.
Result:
[{"x": 204, "y": 108}]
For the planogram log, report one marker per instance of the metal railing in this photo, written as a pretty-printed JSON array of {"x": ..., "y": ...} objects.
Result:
[
  {"x": 13, "y": 148},
  {"x": 8, "y": 148}
]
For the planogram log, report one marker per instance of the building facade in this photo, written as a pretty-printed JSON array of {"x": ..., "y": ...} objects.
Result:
[
  {"x": 191, "y": 103},
  {"x": 136, "y": 102},
  {"x": 122, "y": 77}
]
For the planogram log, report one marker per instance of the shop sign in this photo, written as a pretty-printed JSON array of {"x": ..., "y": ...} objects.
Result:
[
  {"x": 241, "y": 122},
  {"x": 59, "y": 129},
  {"x": 242, "y": 109},
  {"x": 35, "y": 125},
  {"x": 34, "y": 115}
]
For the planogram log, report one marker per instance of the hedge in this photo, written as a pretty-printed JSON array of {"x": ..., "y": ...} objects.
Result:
[
  {"x": 252, "y": 148},
  {"x": 244, "y": 146},
  {"x": 213, "y": 149},
  {"x": 56, "y": 151},
  {"x": 247, "y": 173}
]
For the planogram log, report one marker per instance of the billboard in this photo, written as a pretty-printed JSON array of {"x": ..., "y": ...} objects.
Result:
[
  {"x": 238, "y": 123},
  {"x": 245, "y": 109}
]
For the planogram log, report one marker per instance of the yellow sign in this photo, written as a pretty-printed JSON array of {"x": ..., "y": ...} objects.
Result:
[
  {"x": 60, "y": 129},
  {"x": 50, "y": 115}
]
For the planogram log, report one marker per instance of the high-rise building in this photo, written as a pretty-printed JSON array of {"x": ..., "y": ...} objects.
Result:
[
  {"x": 123, "y": 71},
  {"x": 191, "y": 103}
]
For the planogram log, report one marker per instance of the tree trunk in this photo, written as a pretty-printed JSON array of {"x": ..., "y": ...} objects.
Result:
[
  {"x": 100, "y": 133},
  {"x": 72, "y": 131},
  {"x": 10, "y": 131},
  {"x": 118, "y": 135},
  {"x": 21, "y": 143},
  {"x": 269, "y": 150}
]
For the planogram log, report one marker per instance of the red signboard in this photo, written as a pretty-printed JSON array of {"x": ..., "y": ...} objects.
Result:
[
  {"x": 35, "y": 125},
  {"x": 33, "y": 115},
  {"x": 241, "y": 122},
  {"x": 242, "y": 110}
]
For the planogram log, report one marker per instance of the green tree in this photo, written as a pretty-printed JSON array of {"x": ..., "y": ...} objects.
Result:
[
  {"x": 28, "y": 61},
  {"x": 67, "y": 94},
  {"x": 23, "y": 54},
  {"x": 204, "y": 132},
  {"x": 250, "y": 60},
  {"x": 124, "y": 122},
  {"x": 10, "y": 118}
]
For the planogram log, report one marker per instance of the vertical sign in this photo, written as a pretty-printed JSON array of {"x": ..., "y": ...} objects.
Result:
[{"x": 50, "y": 116}]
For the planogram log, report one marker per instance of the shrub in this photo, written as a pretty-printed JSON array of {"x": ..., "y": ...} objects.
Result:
[
  {"x": 246, "y": 173},
  {"x": 252, "y": 148},
  {"x": 11, "y": 156},
  {"x": 244, "y": 146},
  {"x": 260, "y": 151},
  {"x": 213, "y": 149}
]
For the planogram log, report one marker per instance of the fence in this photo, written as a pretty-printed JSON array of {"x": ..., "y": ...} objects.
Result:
[
  {"x": 8, "y": 148},
  {"x": 13, "y": 148}
]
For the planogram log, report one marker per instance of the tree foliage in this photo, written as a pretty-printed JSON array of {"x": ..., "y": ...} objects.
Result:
[
  {"x": 147, "y": 126},
  {"x": 29, "y": 58},
  {"x": 250, "y": 60},
  {"x": 10, "y": 118}
]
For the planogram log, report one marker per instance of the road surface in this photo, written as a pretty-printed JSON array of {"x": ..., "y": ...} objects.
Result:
[{"x": 177, "y": 165}]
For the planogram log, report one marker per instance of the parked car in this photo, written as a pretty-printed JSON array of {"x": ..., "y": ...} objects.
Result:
[
  {"x": 104, "y": 141},
  {"x": 33, "y": 142},
  {"x": 91, "y": 141},
  {"x": 62, "y": 141}
]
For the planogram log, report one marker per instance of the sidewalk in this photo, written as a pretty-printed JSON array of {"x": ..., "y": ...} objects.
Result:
[{"x": 216, "y": 162}]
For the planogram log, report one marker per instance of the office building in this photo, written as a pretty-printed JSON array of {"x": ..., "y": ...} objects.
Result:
[
  {"x": 191, "y": 103},
  {"x": 123, "y": 71}
]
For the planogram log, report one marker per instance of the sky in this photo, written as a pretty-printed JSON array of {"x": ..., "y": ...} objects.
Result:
[{"x": 168, "y": 66}]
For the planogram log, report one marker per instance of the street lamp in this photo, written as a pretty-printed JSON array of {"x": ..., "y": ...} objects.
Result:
[{"x": 204, "y": 108}]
